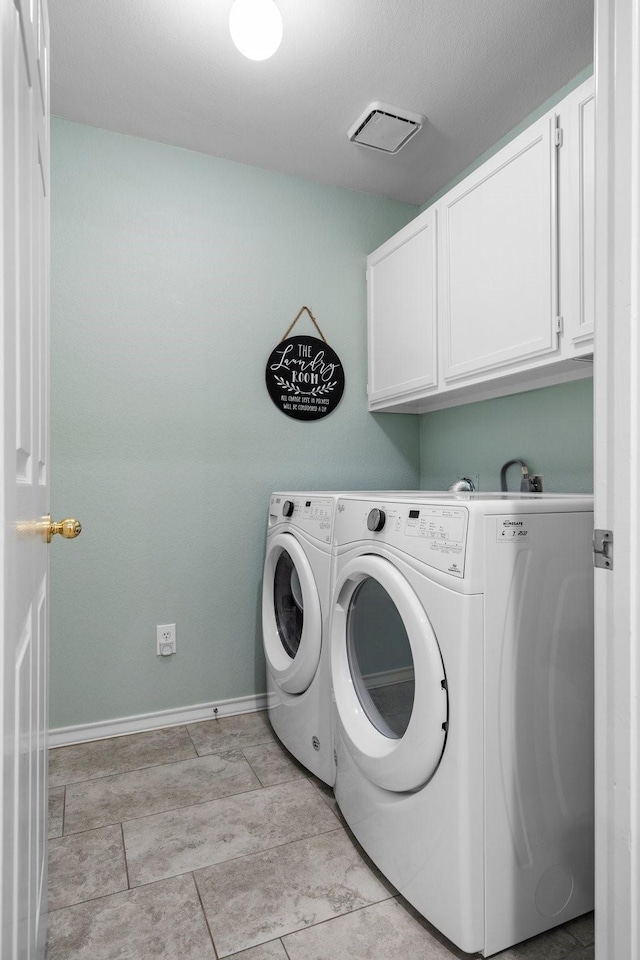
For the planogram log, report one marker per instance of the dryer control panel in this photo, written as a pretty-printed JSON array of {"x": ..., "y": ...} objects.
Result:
[
  {"x": 435, "y": 534},
  {"x": 444, "y": 530}
]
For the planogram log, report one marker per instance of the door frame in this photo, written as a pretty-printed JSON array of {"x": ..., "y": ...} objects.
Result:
[{"x": 616, "y": 474}]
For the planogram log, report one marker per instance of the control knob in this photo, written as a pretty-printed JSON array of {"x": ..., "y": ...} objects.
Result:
[
  {"x": 376, "y": 520},
  {"x": 287, "y": 508}
]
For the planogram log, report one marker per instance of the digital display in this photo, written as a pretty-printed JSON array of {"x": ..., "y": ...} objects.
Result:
[{"x": 414, "y": 514}]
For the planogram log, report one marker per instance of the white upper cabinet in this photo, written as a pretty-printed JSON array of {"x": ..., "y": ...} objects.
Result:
[
  {"x": 577, "y": 219},
  {"x": 511, "y": 304},
  {"x": 498, "y": 296},
  {"x": 401, "y": 294}
]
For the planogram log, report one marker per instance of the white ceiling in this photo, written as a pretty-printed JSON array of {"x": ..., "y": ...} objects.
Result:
[{"x": 167, "y": 70}]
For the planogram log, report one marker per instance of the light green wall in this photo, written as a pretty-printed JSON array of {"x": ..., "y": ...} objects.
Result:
[
  {"x": 173, "y": 277},
  {"x": 551, "y": 429}
]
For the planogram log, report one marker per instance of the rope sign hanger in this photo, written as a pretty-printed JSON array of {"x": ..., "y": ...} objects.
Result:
[
  {"x": 313, "y": 320},
  {"x": 304, "y": 375}
]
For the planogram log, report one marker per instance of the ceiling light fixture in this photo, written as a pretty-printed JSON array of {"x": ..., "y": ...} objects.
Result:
[{"x": 256, "y": 28}]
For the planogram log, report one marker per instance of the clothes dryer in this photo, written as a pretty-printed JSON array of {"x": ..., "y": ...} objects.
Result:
[{"x": 462, "y": 673}]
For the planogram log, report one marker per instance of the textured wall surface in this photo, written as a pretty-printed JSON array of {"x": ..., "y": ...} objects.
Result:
[
  {"x": 173, "y": 277},
  {"x": 551, "y": 429}
]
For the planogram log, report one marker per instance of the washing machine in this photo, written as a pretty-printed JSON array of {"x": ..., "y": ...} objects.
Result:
[
  {"x": 296, "y": 592},
  {"x": 462, "y": 675}
]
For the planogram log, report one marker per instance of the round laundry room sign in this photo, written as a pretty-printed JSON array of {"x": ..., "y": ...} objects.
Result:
[{"x": 305, "y": 378}]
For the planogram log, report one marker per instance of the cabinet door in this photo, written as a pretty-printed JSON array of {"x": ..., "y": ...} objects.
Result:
[
  {"x": 577, "y": 219},
  {"x": 497, "y": 247},
  {"x": 401, "y": 314}
]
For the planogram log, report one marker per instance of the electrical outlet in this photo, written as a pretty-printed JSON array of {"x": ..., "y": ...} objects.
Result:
[{"x": 165, "y": 639}]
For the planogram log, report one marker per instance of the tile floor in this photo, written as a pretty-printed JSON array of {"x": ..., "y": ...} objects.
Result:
[{"x": 207, "y": 841}]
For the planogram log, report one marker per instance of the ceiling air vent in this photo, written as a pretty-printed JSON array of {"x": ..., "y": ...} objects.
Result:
[{"x": 386, "y": 128}]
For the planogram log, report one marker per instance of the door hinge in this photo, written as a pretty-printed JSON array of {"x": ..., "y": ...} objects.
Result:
[
  {"x": 603, "y": 549},
  {"x": 558, "y": 136},
  {"x": 559, "y": 325}
]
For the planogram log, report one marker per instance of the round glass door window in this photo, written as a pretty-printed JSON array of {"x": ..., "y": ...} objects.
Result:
[
  {"x": 380, "y": 659},
  {"x": 288, "y": 603}
]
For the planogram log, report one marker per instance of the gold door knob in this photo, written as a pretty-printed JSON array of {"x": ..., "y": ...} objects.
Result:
[{"x": 67, "y": 528}]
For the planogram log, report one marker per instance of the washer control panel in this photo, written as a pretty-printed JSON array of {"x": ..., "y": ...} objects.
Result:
[{"x": 313, "y": 514}]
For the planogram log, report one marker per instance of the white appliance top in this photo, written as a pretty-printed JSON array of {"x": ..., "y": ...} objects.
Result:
[{"x": 448, "y": 532}]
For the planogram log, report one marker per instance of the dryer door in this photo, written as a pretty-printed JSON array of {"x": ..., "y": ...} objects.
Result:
[
  {"x": 291, "y": 615},
  {"x": 388, "y": 676}
]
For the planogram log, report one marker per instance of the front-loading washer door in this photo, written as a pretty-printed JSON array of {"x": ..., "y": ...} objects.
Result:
[
  {"x": 388, "y": 676},
  {"x": 291, "y": 615}
]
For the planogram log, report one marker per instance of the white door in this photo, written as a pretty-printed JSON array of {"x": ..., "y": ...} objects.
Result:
[
  {"x": 616, "y": 475},
  {"x": 24, "y": 248}
]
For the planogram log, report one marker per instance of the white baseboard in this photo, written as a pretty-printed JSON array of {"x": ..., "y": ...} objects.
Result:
[{"x": 121, "y": 726}]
